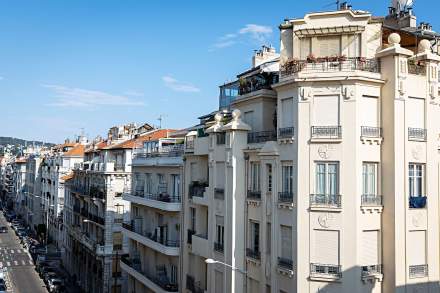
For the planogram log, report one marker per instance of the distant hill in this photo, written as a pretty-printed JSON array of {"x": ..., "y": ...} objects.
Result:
[{"x": 20, "y": 142}]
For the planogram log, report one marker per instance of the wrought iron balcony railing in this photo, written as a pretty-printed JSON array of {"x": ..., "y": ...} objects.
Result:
[
  {"x": 325, "y": 200},
  {"x": 262, "y": 136},
  {"x": 373, "y": 132},
  {"x": 285, "y": 197},
  {"x": 418, "y": 271},
  {"x": 371, "y": 270},
  {"x": 371, "y": 200},
  {"x": 286, "y": 132},
  {"x": 254, "y": 194},
  {"x": 332, "y": 132},
  {"x": 285, "y": 263},
  {"x": 330, "y": 270},
  {"x": 418, "y": 134}
]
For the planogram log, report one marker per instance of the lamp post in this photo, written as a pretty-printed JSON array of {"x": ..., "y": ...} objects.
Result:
[{"x": 210, "y": 261}]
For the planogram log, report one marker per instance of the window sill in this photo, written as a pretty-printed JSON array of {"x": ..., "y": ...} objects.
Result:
[
  {"x": 286, "y": 140},
  {"x": 286, "y": 205},
  {"x": 253, "y": 202},
  {"x": 254, "y": 261},
  {"x": 325, "y": 209},
  {"x": 372, "y": 277},
  {"x": 285, "y": 272},
  {"x": 325, "y": 139},
  {"x": 325, "y": 278}
]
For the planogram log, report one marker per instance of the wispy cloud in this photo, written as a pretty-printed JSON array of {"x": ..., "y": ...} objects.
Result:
[
  {"x": 133, "y": 93},
  {"x": 77, "y": 97},
  {"x": 255, "y": 32},
  {"x": 179, "y": 86}
]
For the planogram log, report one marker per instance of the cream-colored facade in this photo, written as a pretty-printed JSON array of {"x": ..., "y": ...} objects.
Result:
[
  {"x": 325, "y": 179},
  {"x": 152, "y": 264}
]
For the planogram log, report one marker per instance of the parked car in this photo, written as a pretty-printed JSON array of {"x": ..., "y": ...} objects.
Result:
[
  {"x": 46, "y": 270},
  {"x": 55, "y": 285},
  {"x": 3, "y": 229},
  {"x": 49, "y": 275}
]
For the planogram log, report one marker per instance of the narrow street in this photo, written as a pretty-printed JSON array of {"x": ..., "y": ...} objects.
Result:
[{"x": 20, "y": 271}]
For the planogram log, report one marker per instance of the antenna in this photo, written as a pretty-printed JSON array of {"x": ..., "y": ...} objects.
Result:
[
  {"x": 333, "y": 3},
  {"x": 160, "y": 119}
]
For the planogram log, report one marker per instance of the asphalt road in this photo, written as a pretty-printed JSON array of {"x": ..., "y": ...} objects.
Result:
[{"x": 18, "y": 263}]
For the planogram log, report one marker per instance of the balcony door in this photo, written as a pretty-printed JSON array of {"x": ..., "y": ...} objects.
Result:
[{"x": 327, "y": 181}]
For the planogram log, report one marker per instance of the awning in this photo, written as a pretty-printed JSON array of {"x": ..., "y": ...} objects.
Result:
[{"x": 335, "y": 30}]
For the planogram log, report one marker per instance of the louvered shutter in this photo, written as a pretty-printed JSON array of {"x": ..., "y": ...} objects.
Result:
[
  {"x": 416, "y": 113},
  {"x": 329, "y": 46},
  {"x": 370, "y": 248},
  {"x": 417, "y": 249},
  {"x": 326, "y": 110},
  {"x": 287, "y": 112},
  {"x": 326, "y": 247}
]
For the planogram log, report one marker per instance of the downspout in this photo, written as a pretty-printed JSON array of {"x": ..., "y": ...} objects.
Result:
[{"x": 246, "y": 220}]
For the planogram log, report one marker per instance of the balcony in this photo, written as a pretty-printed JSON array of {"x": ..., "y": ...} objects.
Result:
[
  {"x": 417, "y": 134},
  {"x": 325, "y": 201},
  {"x": 285, "y": 264},
  {"x": 261, "y": 137},
  {"x": 418, "y": 271},
  {"x": 192, "y": 285},
  {"x": 219, "y": 193},
  {"x": 371, "y": 200},
  {"x": 329, "y": 65},
  {"x": 219, "y": 247},
  {"x": 197, "y": 189},
  {"x": 200, "y": 245},
  {"x": 158, "y": 282},
  {"x": 164, "y": 202},
  {"x": 254, "y": 195},
  {"x": 286, "y": 133},
  {"x": 372, "y": 272},
  {"x": 263, "y": 81},
  {"x": 371, "y": 132},
  {"x": 161, "y": 244},
  {"x": 326, "y": 132},
  {"x": 325, "y": 271},
  {"x": 167, "y": 156},
  {"x": 417, "y": 202},
  {"x": 253, "y": 253},
  {"x": 416, "y": 68},
  {"x": 285, "y": 197}
]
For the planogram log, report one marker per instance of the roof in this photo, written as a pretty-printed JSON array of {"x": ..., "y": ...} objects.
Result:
[
  {"x": 67, "y": 177},
  {"x": 66, "y": 144},
  {"x": 152, "y": 135},
  {"x": 76, "y": 151},
  {"x": 95, "y": 147}
]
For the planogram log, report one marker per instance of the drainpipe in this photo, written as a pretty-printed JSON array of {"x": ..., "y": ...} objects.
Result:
[{"x": 246, "y": 220}]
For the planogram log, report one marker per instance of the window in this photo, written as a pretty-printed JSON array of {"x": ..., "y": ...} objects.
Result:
[
  {"x": 287, "y": 179},
  {"x": 326, "y": 110},
  {"x": 176, "y": 185},
  {"x": 249, "y": 118},
  {"x": 327, "y": 176},
  {"x": 305, "y": 49},
  {"x": 287, "y": 112},
  {"x": 192, "y": 212},
  {"x": 139, "y": 183},
  {"x": 174, "y": 276},
  {"x": 354, "y": 45},
  {"x": 370, "y": 112},
  {"x": 148, "y": 184},
  {"x": 329, "y": 46},
  {"x": 326, "y": 247},
  {"x": 286, "y": 242},
  {"x": 269, "y": 177},
  {"x": 416, "y": 180},
  {"x": 220, "y": 231},
  {"x": 255, "y": 236},
  {"x": 369, "y": 178},
  {"x": 416, "y": 112},
  {"x": 255, "y": 177},
  {"x": 370, "y": 252},
  {"x": 269, "y": 238}
]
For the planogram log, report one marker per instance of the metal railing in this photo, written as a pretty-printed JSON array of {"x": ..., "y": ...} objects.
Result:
[
  {"x": 417, "y": 202},
  {"x": 325, "y": 200},
  {"x": 285, "y": 263},
  {"x": 286, "y": 132},
  {"x": 162, "y": 197},
  {"x": 197, "y": 189},
  {"x": 285, "y": 197},
  {"x": 262, "y": 136},
  {"x": 371, "y": 200},
  {"x": 333, "y": 132},
  {"x": 219, "y": 193},
  {"x": 152, "y": 236},
  {"x": 219, "y": 247},
  {"x": 175, "y": 151},
  {"x": 330, "y": 64},
  {"x": 418, "y": 271},
  {"x": 418, "y": 134},
  {"x": 416, "y": 69},
  {"x": 159, "y": 279},
  {"x": 254, "y": 194},
  {"x": 253, "y": 253},
  {"x": 371, "y": 270},
  {"x": 367, "y": 131},
  {"x": 325, "y": 269}
]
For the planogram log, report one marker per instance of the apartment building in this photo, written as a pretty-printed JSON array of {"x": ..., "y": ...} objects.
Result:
[
  {"x": 95, "y": 210},
  {"x": 55, "y": 166},
  {"x": 325, "y": 177},
  {"x": 154, "y": 194},
  {"x": 32, "y": 214},
  {"x": 19, "y": 179}
]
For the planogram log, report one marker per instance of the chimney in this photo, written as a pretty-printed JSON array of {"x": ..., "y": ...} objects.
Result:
[{"x": 266, "y": 53}]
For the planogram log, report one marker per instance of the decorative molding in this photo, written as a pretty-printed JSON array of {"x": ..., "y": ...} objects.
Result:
[
  {"x": 416, "y": 152},
  {"x": 417, "y": 219},
  {"x": 325, "y": 151},
  {"x": 326, "y": 220},
  {"x": 349, "y": 92}
]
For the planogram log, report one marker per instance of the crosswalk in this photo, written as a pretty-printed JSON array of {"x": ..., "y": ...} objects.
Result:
[
  {"x": 16, "y": 263},
  {"x": 10, "y": 257}
]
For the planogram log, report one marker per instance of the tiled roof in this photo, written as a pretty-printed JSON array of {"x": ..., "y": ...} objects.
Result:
[
  {"x": 76, "y": 151},
  {"x": 152, "y": 135}
]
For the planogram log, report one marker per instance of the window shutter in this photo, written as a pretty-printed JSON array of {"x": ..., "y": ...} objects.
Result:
[
  {"x": 286, "y": 242},
  {"x": 220, "y": 176},
  {"x": 326, "y": 247},
  {"x": 287, "y": 112},
  {"x": 370, "y": 248},
  {"x": 370, "y": 111},
  {"x": 416, "y": 113},
  {"x": 417, "y": 249},
  {"x": 326, "y": 110},
  {"x": 305, "y": 48},
  {"x": 354, "y": 45},
  {"x": 329, "y": 46}
]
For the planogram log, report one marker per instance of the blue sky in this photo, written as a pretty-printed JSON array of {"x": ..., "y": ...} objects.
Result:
[{"x": 92, "y": 64}]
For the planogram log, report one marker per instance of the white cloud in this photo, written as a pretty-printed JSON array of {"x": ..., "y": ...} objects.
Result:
[
  {"x": 77, "y": 97},
  {"x": 133, "y": 93},
  {"x": 179, "y": 86},
  {"x": 255, "y": 32}
]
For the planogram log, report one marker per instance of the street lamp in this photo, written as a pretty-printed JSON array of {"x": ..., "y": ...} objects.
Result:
[{"x": 210, "y": 261}]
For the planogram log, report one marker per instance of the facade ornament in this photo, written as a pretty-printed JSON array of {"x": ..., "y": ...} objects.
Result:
[{"x": 326, "y": 220}]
